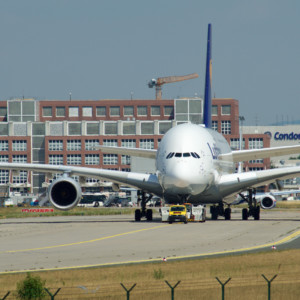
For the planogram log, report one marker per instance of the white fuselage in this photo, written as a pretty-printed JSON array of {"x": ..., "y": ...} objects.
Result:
[{"x": 187, "y": 162}]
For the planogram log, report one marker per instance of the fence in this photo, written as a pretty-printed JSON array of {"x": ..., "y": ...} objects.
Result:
[{"x": 213, "y": 288}]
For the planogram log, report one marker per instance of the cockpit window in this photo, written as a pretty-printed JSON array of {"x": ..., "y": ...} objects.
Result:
[
  {"x": 170, "y": 155},
  {"x": 185, "y": 154}
]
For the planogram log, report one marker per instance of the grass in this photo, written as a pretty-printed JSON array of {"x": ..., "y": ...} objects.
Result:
[
  {"x": 198, "y": 278},
  {"x": 16, "y": 212}
]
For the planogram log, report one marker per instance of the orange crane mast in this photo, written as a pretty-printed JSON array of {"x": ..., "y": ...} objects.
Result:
[{"x": 157, "y": 83}]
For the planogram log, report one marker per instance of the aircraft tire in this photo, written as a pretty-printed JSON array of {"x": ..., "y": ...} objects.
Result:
[
  {"x": 227, "y": 213},
  {"x": 245, "y": 214},
  {"x": 137, "y": 215},
  {"x": 257, "y": 213},
  {"x": 149, "y": 214}
]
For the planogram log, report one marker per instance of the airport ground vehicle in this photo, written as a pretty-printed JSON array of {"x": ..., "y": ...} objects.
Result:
[
  {"x": 8, "y": 202},
  {"x": 193, "y": 213},
  {"x": 178, "y": 213},
  {"x": 92, "y": 200}
]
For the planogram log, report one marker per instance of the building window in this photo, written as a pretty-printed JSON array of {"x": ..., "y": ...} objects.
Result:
[
  {"x": 115, "y": 111},
  {"x": 155, "y": 110},
  {"x": 73, "y": 111},
  {"x": 256, "y": 169},
  {"x": 92, "y": 129},
  {"x": 87, "y": 111},
  {"x": 168, "y": 110},
  {"x": 164, "y": 127},
  {"x": 226, "y": 127},
  {"x": 4, "y": 129},
  {"x": 214, "y": 110},
  {"x": 128, "y": 110},
  {"x": 47, "y": 111},
  {"x": 56, "y": 159},
  {"x": 73, "y": 159},
  {"x": 125, "y": 160},
  {"x": 142, "y": 110},
  {"x": 214, "y": 125},
  {"x": 74, "y": 128},
  {"x": 4, "y": 176},
  {"x": 19, "y": 146},
  {"x": 235, "y": 144},
  {"x": 110, "y": 159},
  {"x": 147, "y": 128},
  {"x": 226, "y": 109},
  {"x": 22, "y": 178},
  {"x": 147, "y": 143},
  {"x": 38, "y": 129},
  {"x": 60, "y": 111},
  {"x": 55, "y": 145},
  {"x": 110, "y": 128},
  {"x": 256, "y": 143},
  {"x": 92, "y": 159},
  {"x": 19, "y": 159},
  {"x": 3, "y": 111},
  {"x": 129, "y": 143},
  {"x": 91, "y": 144},
  {"x": 3, "y": 145},
  {"x": 128, "y": 128},
  {"x": 101, "y": 111},
  {"x": 3, "y": 158},
  {"x": 110, "y": 143},
  {"x": 74, "y": 145},
  {"x": 256, "y": 161}
]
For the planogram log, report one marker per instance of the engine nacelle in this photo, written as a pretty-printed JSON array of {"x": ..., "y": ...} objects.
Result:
[
  {"x": 268, "y": 202},
  {"x": 64, "y": 193}
]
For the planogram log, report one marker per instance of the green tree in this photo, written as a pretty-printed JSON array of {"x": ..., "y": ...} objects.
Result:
[{"x": 31, "y": 288}]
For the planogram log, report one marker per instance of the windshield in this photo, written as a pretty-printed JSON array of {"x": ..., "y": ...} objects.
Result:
[{"x": 178, "y": 208}]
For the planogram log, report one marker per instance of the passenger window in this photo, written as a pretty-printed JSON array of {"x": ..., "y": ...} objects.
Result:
[
  {"x": 186, "y": 154},
  {"x": 178, "y": 154}
]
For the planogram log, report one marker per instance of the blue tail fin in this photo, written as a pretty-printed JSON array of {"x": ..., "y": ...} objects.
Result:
[{"x": 207, "y": 93}]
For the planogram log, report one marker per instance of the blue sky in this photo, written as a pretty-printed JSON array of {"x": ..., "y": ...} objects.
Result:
[{"x": 107, "y": 49}]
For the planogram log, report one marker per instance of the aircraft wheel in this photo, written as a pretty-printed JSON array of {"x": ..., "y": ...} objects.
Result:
[
  {"x": 137, "y": 215},
  {"x": 257, "y": 213},
  {"x": 214, "y": 213},
  {"x": 149, "y": 214},
  {"x": 245, "y": 214},
  {"x": 227, "y": 213}
]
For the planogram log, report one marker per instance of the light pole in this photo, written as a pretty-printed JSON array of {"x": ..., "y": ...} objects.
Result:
[{"x": 242, "y": 119}]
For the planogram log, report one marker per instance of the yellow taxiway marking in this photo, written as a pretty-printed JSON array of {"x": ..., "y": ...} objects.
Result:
[
  {"x": 83, "y": 242},
  {"x": 282, "y": 241}
]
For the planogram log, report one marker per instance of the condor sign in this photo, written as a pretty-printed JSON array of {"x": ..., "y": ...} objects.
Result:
[{"x": 286, "y": 136}]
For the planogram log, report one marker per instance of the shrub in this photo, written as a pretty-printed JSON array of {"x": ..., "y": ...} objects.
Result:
[
  {"x": 31, "y": 288},
  {"x": 158, "y": 274}
]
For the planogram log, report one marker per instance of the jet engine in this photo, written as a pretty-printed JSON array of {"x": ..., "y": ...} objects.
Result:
[
  {"x": 268, "y": 202},
  {"x": 64, "y": 193}
]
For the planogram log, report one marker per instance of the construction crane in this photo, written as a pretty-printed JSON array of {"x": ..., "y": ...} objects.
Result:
[{"x": 162, "y": 80}]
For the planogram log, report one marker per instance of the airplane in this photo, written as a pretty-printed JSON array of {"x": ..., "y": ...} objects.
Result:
[{"x": 194, "y": 164}]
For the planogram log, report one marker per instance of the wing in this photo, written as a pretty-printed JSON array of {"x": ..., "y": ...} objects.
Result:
[
  {"x": 147, "y": 153},
  {"x": 244, "y": 155},
  {"x": 147, "y": 182},
  {"x": 231, "y": 184}
]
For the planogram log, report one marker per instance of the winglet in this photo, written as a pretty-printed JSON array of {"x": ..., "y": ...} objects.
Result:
[{"x": 207, "y": 93}]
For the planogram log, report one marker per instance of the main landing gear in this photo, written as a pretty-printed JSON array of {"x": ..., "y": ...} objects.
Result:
[
  {"x": 218, "y": 210},
  {"x": 143, "y": 212},
  {"x": 254, "y": 208}
]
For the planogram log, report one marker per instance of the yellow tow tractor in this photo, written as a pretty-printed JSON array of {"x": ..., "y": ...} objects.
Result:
[{"x": 178, "y": 213}]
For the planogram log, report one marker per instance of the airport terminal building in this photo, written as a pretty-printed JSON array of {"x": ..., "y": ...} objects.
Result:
[{"x": 67, "y": 131}]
